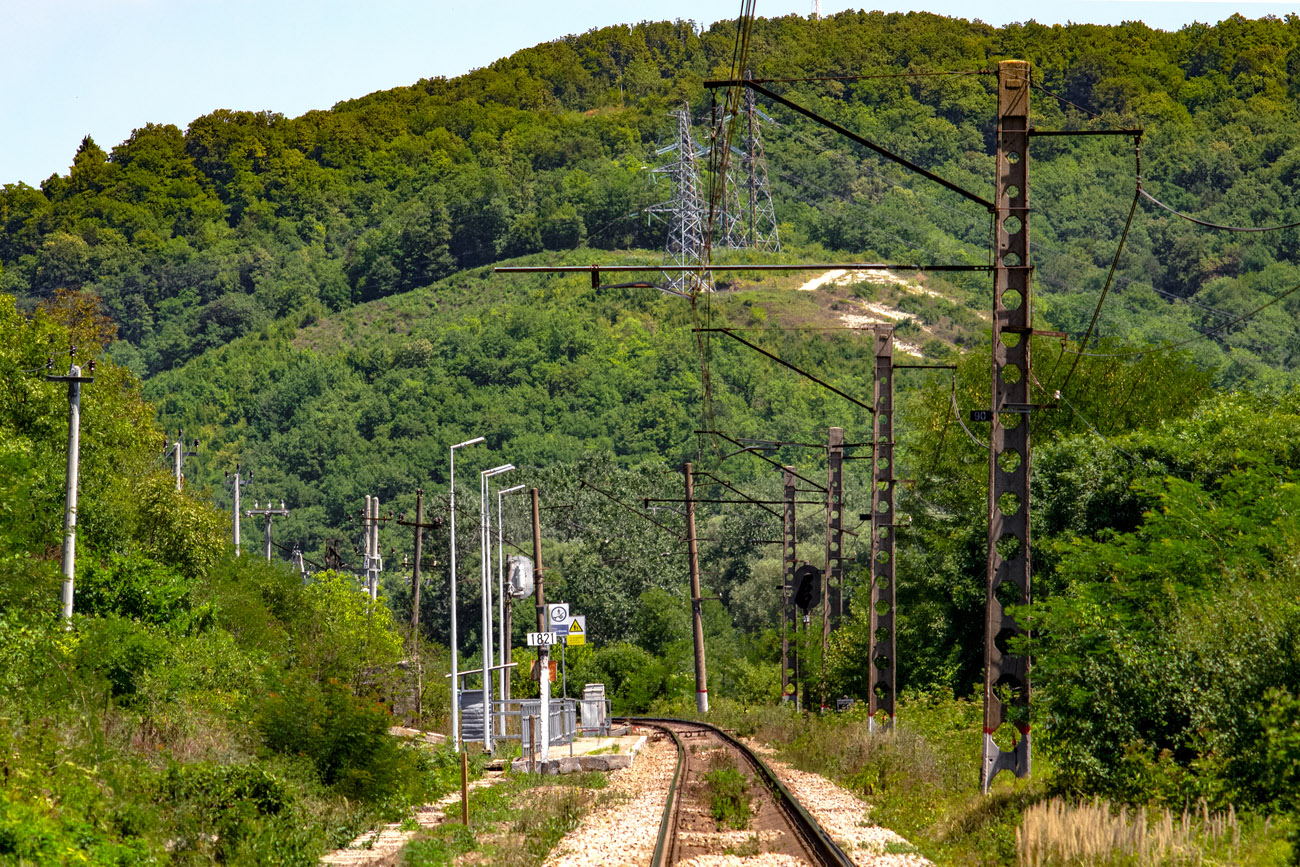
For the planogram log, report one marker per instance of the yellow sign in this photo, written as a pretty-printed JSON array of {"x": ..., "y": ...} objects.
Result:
[{"x": 577, "y": 634}]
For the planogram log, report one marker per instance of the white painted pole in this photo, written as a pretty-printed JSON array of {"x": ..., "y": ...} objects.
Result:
[
  {"x": 70, "y": 495},
  {"x": 544, "y": 666},
  {"x": 237, "y": 487},
  {"x": 485, "y": 514},
  {"x": 374, "y": 548},
  {"x": 485, "y": 528},
  {"x": 180, "y": 447}
]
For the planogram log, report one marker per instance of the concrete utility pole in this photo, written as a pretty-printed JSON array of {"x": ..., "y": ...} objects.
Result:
[
  {"x": 697, "y": 613},
  {"x": 1008, "y": 507},
  {"x": 880, "y": 693},
  {"x": 74, "y": 379},
  {"x": 177, "y": 454},
  {"x": 543, "y": 652},
  {"x": 789, "y": 611},
  {"x": 832, "y": 595},
  {"x": 455, "y": 644},
  {"x": 376, "y": 557},
  {"x": 269, "y": 512},
  {"x": 237, "y": 482},
  {"x": 298, "y": 562}
]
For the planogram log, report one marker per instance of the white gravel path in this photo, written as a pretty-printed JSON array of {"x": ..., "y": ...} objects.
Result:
[
  {"x": 384, "y": 845},
  {"x": 843, "y": 816},
  {"x": 623, "y": 834}
]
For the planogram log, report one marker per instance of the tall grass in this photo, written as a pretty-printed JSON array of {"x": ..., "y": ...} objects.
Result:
[{"x": 1055, "y": 833}]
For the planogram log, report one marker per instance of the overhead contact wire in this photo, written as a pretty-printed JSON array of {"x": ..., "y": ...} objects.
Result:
[
  {"x": 1189, "y": 218},
  {"x": 1110, "y": 275}
]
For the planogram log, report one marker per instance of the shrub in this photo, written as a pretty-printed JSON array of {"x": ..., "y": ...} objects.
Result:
[
  {"x": 121, "y": 651},
  {"x": 344, "y": 736},
  {"x": 135, "y": 588}
]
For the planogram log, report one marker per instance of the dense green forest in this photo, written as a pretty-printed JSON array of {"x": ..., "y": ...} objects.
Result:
[{"x": 313, "y": 298}]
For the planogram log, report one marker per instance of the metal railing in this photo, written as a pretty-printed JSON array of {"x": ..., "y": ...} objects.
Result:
[{"x": 512, "y": 717}]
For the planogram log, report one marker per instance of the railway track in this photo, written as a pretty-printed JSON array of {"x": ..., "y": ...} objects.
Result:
[{"x": 779, "y": 823}]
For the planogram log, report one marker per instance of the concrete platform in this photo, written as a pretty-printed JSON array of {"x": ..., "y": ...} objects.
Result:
[{"x": 588, "y": 754}]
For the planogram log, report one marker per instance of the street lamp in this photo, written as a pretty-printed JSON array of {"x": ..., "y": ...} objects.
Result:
[
  {"x": 485, "y": 537},
  {"x": 503, "y": 681},
  {"x": 455, "y": 676}
]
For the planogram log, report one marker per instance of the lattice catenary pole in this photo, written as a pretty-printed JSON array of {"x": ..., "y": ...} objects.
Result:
[
  {"x": 789, "y": 611},
  {"x": 1006, "y": 675},
  {"x": 881, "y": 678},
  {"x": 832, "y": 595}
]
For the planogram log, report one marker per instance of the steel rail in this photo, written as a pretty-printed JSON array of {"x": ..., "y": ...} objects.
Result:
[
  {"x": 662, "y": 852},
  {"x": 815, "y": 838}
]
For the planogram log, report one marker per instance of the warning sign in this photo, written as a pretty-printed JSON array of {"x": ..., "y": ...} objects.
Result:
[{"x": 577, "y": 633}]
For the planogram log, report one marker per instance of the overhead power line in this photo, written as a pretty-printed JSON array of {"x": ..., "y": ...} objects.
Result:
[
  {"x": 1191, "y": 219},
  {"x": 1199, "y": 336}
]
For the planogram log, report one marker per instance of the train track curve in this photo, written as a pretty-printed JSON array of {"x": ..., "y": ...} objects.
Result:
[{"x": 781, "y": 824}]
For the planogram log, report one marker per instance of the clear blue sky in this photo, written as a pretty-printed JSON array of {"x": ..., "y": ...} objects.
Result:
[{"x": 105, "y": 67}]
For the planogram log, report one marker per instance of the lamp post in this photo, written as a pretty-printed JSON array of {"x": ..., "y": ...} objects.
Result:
[
  {"x": 485, "y": 538},
  {"x": 455, "y": 676},
  {"x": 503, "y": 623}
]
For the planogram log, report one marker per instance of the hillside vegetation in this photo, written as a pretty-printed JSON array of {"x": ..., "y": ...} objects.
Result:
[{"x": 313, "y": 299}]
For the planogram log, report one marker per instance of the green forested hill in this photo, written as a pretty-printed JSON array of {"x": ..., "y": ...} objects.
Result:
[
  {"x": 313, "y": 298},
  {"x": 195, "y": 237}
]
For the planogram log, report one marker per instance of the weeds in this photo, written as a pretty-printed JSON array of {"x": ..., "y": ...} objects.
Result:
[
  {"x": 515, "y": 823},
  {"x": 727, "y": 791}
]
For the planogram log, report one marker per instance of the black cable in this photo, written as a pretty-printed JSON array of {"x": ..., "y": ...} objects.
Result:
[
  {"x": 1224, "y": 228},
  {"x": 868, "y": 77},
  {"x": 1105, "y": 290},
  {"x": 1201, "y": 335},
  {"x": 1091, "y": 114}
]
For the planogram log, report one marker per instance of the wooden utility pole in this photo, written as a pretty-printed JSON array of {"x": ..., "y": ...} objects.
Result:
[
  {"x": 419, "y": 527},
  {"x": 1008, "y": 506},
  {"x": 74, "y": 379},
  {"x": 881, "y": 672},
  {"x": 415, "y": 575},
  {"x": 697, "y": 613},
  {"x": 537, "y": 562}
]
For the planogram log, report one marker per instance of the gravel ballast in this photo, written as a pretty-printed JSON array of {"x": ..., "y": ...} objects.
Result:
[
  {"x": 844, "y": 816},
  {"x": 623, "y": 834}
]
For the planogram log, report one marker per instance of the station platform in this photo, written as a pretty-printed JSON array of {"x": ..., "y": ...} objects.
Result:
[{"x": 609, "y": 753}]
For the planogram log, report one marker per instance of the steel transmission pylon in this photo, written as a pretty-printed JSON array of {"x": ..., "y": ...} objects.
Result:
[
  {"x": 729, "y": 226},
  {"x": 747, "y": 216},
  {"x": 686, "y": 211},
  {"x": 759, "y": 220}
]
